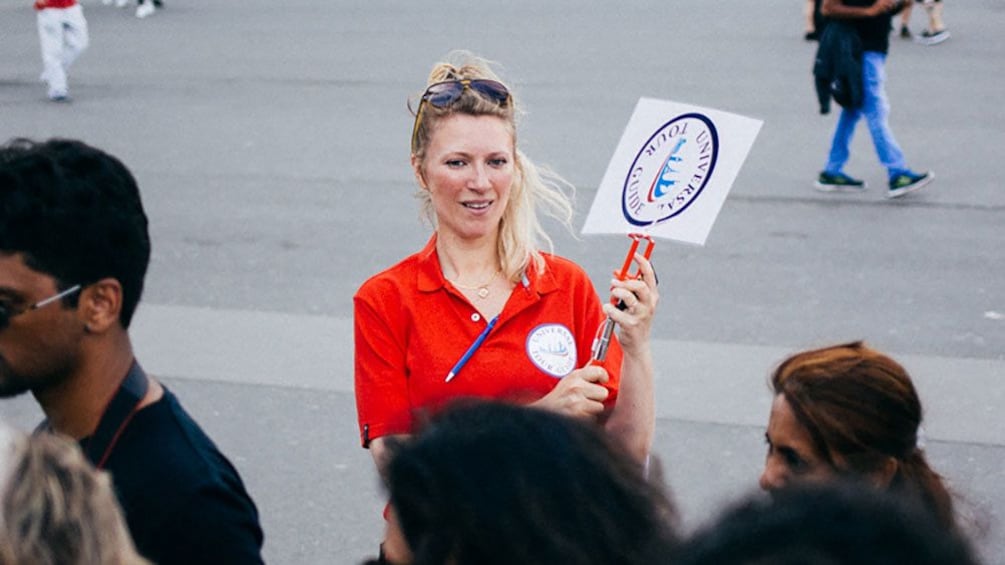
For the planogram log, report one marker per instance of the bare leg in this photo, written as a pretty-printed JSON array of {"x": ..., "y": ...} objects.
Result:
[
  {"x": 905, "y": 20},
  {"x": 936, "y": 32},
  {"x": 935, "y": 23},
  {"x": 810, "y": 21}
]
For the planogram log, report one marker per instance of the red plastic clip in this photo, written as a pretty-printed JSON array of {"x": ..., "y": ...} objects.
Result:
[
  {"x": 647, "y": 253},
  {"x": 603, "y": 338}
]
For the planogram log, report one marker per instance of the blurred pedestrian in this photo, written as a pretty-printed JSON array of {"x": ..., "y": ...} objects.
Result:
[
  {"x": 62, "y": 32},
  {"x": 936, "y": 32},
  {"x": 871, "y": 20}
]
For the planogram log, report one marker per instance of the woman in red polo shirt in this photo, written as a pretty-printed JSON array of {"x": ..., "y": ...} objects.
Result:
[{"x": 481, "y": 311}]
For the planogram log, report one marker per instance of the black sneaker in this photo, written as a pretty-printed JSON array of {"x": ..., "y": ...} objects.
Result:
[
  {"x": 905, "y": 33},
  {"x": 933, "y": 37},
  {"x": 908, "y": 182},
  {"x": 838, "y": 182}
]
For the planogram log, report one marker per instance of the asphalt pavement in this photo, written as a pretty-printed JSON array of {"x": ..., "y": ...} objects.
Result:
[{"x": 270, "y": 140}]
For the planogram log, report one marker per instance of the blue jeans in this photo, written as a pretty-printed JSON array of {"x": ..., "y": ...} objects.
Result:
[{"x": 876, "y": 109}]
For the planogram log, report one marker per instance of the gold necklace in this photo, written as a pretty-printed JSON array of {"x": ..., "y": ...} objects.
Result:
[{"x": 481, "y": 289}]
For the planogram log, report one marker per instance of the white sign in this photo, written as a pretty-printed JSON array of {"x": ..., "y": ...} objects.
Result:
[{"x": 671, "y": 171}]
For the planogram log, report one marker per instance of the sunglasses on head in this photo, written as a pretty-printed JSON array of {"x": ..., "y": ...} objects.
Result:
[
  {"x": 6, "y": 313},
  {"x": 443, "y": 94}
]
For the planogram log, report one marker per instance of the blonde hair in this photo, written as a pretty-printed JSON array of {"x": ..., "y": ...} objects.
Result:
[
  {"x": 58, "y": 510},
  {"x": 521, "y": 235}
]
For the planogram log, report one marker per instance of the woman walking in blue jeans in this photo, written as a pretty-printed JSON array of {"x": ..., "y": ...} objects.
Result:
[{"x": 871, "y": 19}]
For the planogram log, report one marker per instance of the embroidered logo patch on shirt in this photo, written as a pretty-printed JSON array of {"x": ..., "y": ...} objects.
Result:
[{"x": 552, "y": 349}]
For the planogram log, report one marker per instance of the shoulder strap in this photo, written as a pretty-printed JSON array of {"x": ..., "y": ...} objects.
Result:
[{"x": 117, "y": 415}]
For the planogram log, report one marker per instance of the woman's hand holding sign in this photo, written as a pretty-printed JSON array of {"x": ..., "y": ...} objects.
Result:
[{"x": 639, "y": 297}]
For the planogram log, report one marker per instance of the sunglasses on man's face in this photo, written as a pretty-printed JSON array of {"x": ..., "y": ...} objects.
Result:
[
  {"x": 443, "y": 94},
  {"x": 6, "y": 313}
]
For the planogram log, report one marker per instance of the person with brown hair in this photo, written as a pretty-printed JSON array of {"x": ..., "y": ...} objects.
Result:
[
  {"x": 55, "y": 508},
  {"x": 849, "y": 411}
]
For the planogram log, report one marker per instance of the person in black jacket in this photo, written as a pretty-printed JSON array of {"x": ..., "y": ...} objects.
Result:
[
  {"x": 74, "y": 250},
  {"x": 871, "y": 19}
]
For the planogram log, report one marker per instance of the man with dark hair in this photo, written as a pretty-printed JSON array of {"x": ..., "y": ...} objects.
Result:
[{"x": 74, "y": 250}]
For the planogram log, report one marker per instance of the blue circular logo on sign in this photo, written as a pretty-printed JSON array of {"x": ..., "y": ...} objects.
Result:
[{"x": 670, "y": 170}]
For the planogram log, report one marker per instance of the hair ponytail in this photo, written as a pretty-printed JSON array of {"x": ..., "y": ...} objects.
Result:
[
  {"x": 522, "y": 238},
  {"x": 916, "y": 478}
]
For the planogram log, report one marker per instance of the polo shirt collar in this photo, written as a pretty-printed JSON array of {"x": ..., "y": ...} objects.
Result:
[{"x": 430, "y": 275}]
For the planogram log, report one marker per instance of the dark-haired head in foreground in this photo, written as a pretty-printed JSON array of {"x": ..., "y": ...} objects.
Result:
[
  {"x": 73, "y": 212},
  {"x": 838, "y": 523},
  {"x": 492, "y": 483}
]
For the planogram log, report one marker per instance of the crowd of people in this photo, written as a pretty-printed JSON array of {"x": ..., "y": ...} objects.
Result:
[{"x": 506, "y": 424}]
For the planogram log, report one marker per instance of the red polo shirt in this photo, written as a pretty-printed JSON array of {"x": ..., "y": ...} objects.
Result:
[{"x": 412, "y": 326}]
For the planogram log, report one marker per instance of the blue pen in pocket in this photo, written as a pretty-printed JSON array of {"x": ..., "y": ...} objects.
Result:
[{"x": 471, "y": 350}]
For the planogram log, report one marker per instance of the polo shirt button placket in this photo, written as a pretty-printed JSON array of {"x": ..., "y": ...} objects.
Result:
[{"x": 475, "y": 317}]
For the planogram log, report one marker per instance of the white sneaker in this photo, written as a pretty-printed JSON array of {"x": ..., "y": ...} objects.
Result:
[
  {"x": 145, "y": 9},
  {"x": 59, "y": 96}
]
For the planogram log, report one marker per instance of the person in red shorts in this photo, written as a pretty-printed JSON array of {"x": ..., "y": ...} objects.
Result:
[{"x": 480, "y": 310}]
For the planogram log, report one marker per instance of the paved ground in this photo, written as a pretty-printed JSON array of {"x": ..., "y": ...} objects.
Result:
[{"x": 270, "y": 141}]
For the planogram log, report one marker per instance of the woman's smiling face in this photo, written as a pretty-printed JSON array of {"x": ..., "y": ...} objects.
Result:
[{"x": 468, "y": 170}]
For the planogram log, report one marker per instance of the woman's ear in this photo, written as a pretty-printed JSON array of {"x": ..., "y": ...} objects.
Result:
[
  {"x": 883, "y": 476},
  {"x": 417, "y": 170},
  {"x": 100, "y": 305}
]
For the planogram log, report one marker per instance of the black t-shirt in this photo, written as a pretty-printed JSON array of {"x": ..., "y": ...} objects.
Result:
[
  {"x": 874, "y": 31},
  {"x": 184, "y": 502}
]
